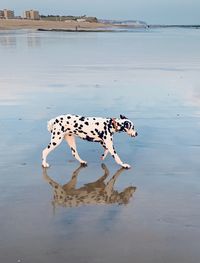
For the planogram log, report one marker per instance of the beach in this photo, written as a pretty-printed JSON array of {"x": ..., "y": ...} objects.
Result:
[
  {"x": 36, "y": 24},
  {"x": 147, "y": 214}
]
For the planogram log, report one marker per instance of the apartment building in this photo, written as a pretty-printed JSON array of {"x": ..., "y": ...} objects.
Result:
[
  {"x": 8, "y": 14},
  {"x": 1, "y": 14},
  {"x": 32, "y": 14}
]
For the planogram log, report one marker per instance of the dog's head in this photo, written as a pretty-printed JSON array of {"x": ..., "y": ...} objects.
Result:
[{"x": 127, "y": 126}]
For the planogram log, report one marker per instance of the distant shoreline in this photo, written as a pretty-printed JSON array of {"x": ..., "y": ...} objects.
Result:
[
  {"x": 6, "y": 24},
  {"x": 181, "y": 26},
  {"x": 79, "y": 30},
  {"x": 78, "y": 26}
]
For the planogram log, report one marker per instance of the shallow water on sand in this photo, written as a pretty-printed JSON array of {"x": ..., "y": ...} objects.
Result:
[{"x": 153, "y": 215}]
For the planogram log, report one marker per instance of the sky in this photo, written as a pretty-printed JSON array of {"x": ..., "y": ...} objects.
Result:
[{"x": 150, "y": 11}]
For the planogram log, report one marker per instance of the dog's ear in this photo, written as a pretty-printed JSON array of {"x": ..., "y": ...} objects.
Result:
[{"x": 122, "y": 117}]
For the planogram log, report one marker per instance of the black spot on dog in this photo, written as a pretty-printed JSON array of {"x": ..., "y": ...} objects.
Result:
[
  {"x": 88, "y": 138},
  {"x": 54, "y": 143},
  {"x": 48, "y": 146},
  {"x": 75, "y": 125},
  {"x": 82, "y": 119},
  {"x": 58, "y": 133},
  {"x": 97, "y": 123},
  {"x": 57, "y": 120},
  {"x": 86, "y": 123},
  {"x": 110, "y": 132},
  {"x": 68, "y": 117},
  {"x": 72, "y": 149},
  {"x": 101, "y": 134}
]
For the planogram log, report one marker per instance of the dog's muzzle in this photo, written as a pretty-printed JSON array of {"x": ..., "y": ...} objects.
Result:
[{"x": 134, "y": 135}]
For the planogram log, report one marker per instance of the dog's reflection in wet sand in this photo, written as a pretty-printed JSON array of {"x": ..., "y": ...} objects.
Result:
[{"x": 98, "y": 192}]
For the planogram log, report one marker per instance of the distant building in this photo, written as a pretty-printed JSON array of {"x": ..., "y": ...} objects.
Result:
[
  {"x": 26, "y": 15},
  {"x": 32, "y": 14},
  {"x": 1, "y": 14},
  {"x": 8, "y": 14}
]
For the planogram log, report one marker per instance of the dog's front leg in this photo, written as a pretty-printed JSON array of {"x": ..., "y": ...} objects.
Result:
[
  {"x": 103, "y": 156},
  {"x": 111, "y": 149}
]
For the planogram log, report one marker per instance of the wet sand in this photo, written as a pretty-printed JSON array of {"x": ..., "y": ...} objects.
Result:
[{"x": 151, "y": 212}]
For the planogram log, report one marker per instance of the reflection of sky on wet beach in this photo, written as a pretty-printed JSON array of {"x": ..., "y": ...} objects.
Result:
[
  {"x": 153, "y": 78},
  {"x": 66, "y": 61}
]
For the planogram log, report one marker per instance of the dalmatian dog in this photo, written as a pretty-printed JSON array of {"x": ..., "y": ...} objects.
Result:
[{"x": 93, "y": 129}]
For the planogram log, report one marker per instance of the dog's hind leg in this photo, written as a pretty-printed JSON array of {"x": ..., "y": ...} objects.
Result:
[
  {"x": 56, "y": 139},
  {"x": 72, "y": 144}
]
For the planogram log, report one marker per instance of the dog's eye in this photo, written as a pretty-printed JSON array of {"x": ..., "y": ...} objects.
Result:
[{"x": 127, "y": 125}]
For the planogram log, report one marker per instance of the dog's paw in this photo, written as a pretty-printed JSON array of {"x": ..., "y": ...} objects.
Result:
[
  {"x": 45, "y": 165},
  {"x": 126, "y": 166},
  {"x": 84, "y": 163}
]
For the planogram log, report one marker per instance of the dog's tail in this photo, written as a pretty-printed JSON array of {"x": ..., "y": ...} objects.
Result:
[{"x": 50, "y": 125}]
